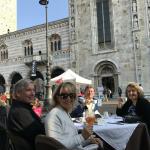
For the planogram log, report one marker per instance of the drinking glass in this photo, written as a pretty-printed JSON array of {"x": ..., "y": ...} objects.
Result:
[{"x": 90, "y": 118}]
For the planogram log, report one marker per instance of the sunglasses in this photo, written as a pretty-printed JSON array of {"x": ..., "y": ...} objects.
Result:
[{"x": 66, "y": 95}]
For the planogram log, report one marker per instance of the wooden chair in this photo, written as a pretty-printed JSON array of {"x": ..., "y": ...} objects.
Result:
[
  {"x": 43, "y": 142},
  {"x": 19, "y": 142},
  {"x": 140, "y": 139}
]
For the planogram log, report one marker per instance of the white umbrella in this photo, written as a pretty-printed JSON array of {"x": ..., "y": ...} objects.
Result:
[{"x": 69, "y": 75}]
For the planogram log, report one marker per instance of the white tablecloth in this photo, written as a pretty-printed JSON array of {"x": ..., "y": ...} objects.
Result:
[{"x": 114, "y": 133}]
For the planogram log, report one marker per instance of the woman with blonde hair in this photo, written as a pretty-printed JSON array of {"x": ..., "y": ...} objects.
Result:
[
  {"x": 136, "y": 104},
  {"x": 58, "y": 123}
]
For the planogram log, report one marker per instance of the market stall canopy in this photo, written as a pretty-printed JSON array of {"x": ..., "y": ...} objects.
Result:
[{"x": 69, "y": 75}]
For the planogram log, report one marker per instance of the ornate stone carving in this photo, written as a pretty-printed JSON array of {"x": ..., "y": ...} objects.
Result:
[
  {"x": 135, "y": 21},
  {"x": 134, "y": 6},
  {"x": 136, "y": 42},
  {"x": 72, "y": 22}
]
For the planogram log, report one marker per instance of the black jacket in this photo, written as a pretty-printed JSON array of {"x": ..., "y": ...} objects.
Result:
[
  {"x": 23, "y": 121},
  {"x": 142, "y": 109}
]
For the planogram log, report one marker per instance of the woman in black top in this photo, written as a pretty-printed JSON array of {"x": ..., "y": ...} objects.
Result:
[
  {"x": 21, "y": 119},
  {"x": 136, "y": 104}
]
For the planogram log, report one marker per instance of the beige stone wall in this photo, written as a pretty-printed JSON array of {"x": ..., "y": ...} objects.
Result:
[
  {"x": 130, "y": 51},
  {"x": 129, "y": 55},
  {"x": 16, "y": 58},
  {"x": 8, "y": 16}
]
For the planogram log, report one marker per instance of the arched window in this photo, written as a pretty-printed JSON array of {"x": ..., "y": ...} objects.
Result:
[
  {"x": 25, "y": 51},
  {"x": 55, "y": 42},
  {"x": 3, "y": 52},
  {"x": 28, "y": 48},
  {"x": 59, "y": 45}
]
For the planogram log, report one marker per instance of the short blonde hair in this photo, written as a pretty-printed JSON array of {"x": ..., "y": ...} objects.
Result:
[
  {"x": 137, "y": 87},
  {"x": 70, "y": 86}
]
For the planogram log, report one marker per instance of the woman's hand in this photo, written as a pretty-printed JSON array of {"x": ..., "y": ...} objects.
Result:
[
  {"x": 96, "y": 141},
  {"x": 120, "y": 102},
  {"x": 86, "y": 133}
]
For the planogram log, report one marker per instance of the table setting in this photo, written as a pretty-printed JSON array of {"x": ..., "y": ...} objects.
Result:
[{"x": 111, "y": 129}]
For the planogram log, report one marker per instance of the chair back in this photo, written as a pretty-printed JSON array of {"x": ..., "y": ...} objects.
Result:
[
  {"x": 3, "y": 117},
  {"x": 19, "y": 142},
  {"x": 43, "y": 142},
  {"x": 4, "y": 140}
]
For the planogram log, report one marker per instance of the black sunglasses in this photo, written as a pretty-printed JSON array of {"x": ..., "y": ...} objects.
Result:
[{"x": 66, "y": 95}]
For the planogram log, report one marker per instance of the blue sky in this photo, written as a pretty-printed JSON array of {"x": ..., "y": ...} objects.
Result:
[{"x": 31, "y": 13}]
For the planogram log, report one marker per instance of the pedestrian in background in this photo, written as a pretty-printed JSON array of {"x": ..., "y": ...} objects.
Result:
[{"x": 119, "y": 91}]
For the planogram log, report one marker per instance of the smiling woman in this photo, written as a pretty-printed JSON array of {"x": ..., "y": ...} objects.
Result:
[
  {"x": 21, "y": 118},
  {"x": 58, "y": 123},
  {"x": 135, "y": 106}
]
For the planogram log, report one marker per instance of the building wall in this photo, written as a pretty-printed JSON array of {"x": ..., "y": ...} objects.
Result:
[
  {"x": 18, "y": 62},
  {"x": 8, "y": 16},
  {"x": 130, "y": 50},
  {"x": 126, "y": 60}
]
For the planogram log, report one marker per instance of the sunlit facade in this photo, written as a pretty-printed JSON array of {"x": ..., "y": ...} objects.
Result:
[{"x": 106, "y": 41}]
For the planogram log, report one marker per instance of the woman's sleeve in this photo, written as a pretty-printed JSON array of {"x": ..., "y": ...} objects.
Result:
[
  {"x": 143, "y": 108},
  {"x": 124, "y": 110},
  {"x": 54, "y": 128}
]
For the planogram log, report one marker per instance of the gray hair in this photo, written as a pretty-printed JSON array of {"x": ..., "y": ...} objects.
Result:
[{"x": 21, "y": 85}]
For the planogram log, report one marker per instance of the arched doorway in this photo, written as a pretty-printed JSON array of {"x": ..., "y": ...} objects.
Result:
[
  {"x": 56, "y": 72},
  {"x": 2, "y": 84},
  {"x": 107, "y": 76},
  {"x": 108, "y": 82},
  {"x": 15, "y": 77}
]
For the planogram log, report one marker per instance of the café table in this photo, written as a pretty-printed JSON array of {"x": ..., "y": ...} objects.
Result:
[
  {"x": 119, "y": 135},
  {"x": 114, "y": 132}
]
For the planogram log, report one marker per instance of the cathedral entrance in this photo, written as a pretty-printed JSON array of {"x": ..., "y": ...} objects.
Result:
[
  {"x": 108, "y": 83},
  {"x": 107, "y": 77}
]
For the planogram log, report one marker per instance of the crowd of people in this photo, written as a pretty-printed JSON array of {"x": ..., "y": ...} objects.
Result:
[{"x": 24, "y": 117}]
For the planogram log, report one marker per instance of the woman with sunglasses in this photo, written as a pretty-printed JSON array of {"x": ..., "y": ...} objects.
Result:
[{"x": 58, "y": 123}]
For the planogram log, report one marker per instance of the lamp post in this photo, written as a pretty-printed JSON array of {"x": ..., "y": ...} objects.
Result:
[{"x": 48, "y": 64}]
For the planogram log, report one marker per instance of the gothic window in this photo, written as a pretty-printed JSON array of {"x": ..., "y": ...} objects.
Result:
[
  {"x": 59, "y": 45},
  {"x": 31, "y": 50},
  {"x": 25, "y": 51},
  {"x": 28, "y": 48},
  {"x": 52, "y": 46},
  {"x": 55, "y": 46},
  {"x": 103, "y": 21},
  {"x": 55, "y": 42},
  {"x": 3, "y": 52}
]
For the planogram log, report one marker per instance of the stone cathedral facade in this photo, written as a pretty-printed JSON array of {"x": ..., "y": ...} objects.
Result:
[{"x": 107, "y": 41}]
